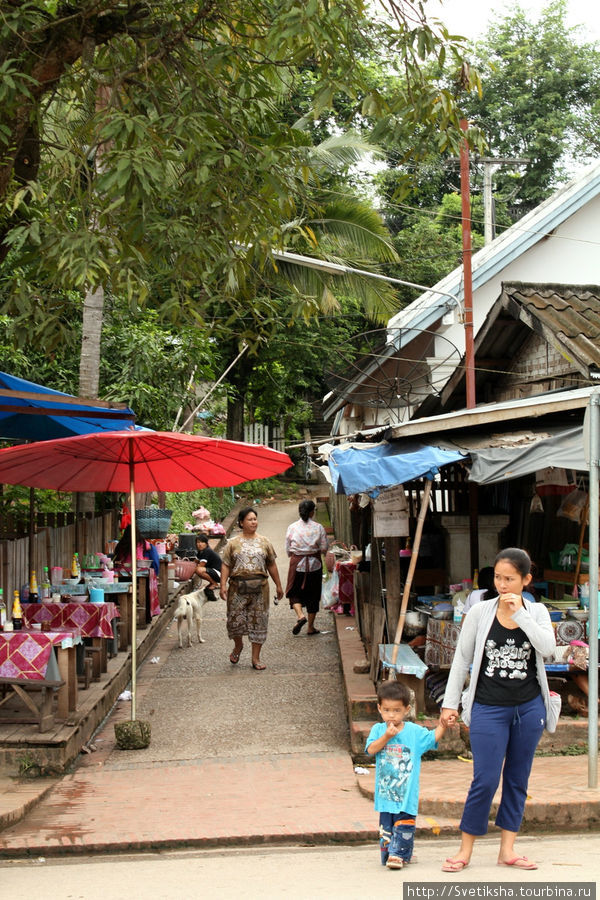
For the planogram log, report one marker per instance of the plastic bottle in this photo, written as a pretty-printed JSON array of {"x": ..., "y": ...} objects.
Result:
[
  {"x": 476, "y": 579},
  {"x": 75, "y": 568},
  {"x": 2, "y": 609},
  {"x": 17, "y": 614},
  {"x": 33, "y": 588},
  {"x": 46, "y": 589}
]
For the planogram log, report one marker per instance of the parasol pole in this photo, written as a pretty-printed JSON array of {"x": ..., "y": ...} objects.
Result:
[
  {"x": 133, "y": 583},
  {"x": 411, "y": 569}
]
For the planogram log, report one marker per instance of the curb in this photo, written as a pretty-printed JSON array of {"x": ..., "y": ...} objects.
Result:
[
  {"x": 78, "y": 848},
  {"x": 32, "y": 793}
]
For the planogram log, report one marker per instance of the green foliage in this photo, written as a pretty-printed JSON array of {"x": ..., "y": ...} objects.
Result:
[
  {"x": 169, "y": 149},
  {"x": 158, "y": 137},
  {"x": 14, "y": 501},
  {"x": 218, "y": 501},
  {"x": 264, "y": 488},
  {"x": 149, "y": 365},
  {"x": 431, "y": 246},
  {"x": 144, "y": 363}
]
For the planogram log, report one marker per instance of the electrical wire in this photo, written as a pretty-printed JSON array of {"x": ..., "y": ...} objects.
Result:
[{"x": 438, "y": 213}]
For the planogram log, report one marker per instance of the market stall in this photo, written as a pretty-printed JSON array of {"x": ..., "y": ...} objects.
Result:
[{"x": 491, "y": 461}]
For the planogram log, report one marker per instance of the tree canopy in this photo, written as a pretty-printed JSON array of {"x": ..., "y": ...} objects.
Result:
[
  {"x": 539, "y": 100},
  {"x": 145, "y": 142}
]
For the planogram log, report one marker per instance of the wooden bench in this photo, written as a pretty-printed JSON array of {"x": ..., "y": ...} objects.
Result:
[{"x": 41, "y": 713}]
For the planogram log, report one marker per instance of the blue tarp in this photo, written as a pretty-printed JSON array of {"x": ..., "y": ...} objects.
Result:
[
  {"x": 368, "y": 468},
  {"x": 43, "y": 420}
]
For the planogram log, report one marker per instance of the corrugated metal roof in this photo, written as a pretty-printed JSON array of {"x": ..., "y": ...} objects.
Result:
[{"x": 496, "y": 413}]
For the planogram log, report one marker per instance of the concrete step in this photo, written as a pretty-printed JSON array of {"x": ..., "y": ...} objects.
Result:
[
  {"x": 553, "y": 793},
  {"x": 448, "y": 809},
  {"x": 451, "y": 745}
]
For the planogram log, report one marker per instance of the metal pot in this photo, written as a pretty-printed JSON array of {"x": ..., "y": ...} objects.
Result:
[{"x": 415, "y": 623}]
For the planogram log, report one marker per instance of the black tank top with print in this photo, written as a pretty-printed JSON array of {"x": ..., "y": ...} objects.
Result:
[{"x": 508, "y": 672}]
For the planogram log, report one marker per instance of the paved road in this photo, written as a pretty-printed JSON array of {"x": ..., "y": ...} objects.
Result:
[
  {"x": 348, "y": 873},
  {"x": 202, "y": 706}
]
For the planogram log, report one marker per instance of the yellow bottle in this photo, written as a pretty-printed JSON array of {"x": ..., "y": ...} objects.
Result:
[
  {"x": 33, "y": 585},
  {"x": 17, "y": 613},
  {"x": 476, "y": 579},
  {"x": 75, "y": 570}
]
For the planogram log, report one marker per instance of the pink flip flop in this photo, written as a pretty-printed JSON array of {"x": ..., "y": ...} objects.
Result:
[
  {"x": 519, "y": 862},
  {"x": 454, "y": 865}
]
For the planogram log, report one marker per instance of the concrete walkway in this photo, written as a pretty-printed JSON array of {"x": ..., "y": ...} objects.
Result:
[{"x": 240, "y": 757}]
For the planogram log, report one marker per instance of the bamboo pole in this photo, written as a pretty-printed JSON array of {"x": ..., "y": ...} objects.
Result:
[
  {"x": 411, "y": 569},
  {"x": 584, "y": 521}
]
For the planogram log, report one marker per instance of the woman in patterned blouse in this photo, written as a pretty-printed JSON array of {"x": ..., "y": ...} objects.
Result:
[{"x": 248, "y": 560}]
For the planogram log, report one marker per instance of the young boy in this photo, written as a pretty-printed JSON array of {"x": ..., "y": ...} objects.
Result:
[
  {"x": 209, "y": 565},
  {"x": 398, "y": 747}
]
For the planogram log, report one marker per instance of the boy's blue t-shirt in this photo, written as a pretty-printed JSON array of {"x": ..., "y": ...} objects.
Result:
[{"x": 398, "y": 766}]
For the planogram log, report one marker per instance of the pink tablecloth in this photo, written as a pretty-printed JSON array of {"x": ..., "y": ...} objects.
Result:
[
  {"x": 25, "y": 654},
  {"x": 92, "y": 619}
]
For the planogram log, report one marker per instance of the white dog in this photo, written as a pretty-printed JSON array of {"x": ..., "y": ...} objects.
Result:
[{"x": 189, "y": 608}]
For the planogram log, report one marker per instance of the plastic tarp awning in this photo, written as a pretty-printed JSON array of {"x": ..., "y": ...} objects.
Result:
[
  {"x": 57, "y": 415},
  {"x": 564, "y": 450},
  {"x": 368, "y": 468}
]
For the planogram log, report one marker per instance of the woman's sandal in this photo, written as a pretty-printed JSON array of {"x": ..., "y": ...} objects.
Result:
[
  {"x": 519, "y": 862},
  {"x": 299, "y": 625},
  {"x": 234, "y": 656},
  {"x": 258, "y": 666},
  {"x": 454, "y": 865}
]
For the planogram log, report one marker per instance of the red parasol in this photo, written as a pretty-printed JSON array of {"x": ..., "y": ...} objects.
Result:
[{"x": 137, "y": 461}]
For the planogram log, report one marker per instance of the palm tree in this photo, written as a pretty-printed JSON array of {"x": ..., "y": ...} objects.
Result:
[{"x": 340, "y": 227}]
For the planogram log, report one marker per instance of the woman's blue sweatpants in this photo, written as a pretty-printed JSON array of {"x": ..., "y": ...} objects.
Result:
[{"x": 501, "y": 734}]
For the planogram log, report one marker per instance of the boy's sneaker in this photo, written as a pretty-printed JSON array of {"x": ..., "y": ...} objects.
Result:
[
  {"x": 210, "y": 594},
  {"x": 394, "y": 862}
]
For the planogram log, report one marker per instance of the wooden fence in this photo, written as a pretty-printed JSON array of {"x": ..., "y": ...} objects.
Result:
[
  {"x": 269, "y": 435},
  {"x": 53, "y": 545}
]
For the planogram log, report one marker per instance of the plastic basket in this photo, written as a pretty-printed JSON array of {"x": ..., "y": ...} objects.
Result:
[
  {"x": 184, "y": 569},
  {"x": 153, "y": 523}
]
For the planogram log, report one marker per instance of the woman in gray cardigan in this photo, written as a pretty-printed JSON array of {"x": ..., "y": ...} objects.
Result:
[{"x": 507, "y": 704}]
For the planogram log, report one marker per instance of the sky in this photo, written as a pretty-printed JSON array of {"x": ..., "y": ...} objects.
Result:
[{"x": 470, "y": 17}]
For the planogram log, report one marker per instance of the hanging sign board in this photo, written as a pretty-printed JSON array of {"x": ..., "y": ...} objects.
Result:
[{"x": 390, "y": 513}]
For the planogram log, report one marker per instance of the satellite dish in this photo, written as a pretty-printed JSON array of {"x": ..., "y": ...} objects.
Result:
[{"x": 369, "y": 370}]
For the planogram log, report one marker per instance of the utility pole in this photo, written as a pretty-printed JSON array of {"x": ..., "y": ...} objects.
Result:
[
  {"x": 465, "y": 196},
  {"x": 489, "y": 222}
]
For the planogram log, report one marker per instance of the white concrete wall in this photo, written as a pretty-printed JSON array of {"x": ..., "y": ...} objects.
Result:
[{"x": 569, "y": 255}]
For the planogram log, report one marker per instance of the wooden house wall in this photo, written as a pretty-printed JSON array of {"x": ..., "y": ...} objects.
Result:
[
  {"x": 52, "y": 546},
  {"x": 538, "y": 367}
]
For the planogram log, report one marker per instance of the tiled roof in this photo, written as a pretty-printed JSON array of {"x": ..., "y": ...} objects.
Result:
[{"x": 569, "y": 312}]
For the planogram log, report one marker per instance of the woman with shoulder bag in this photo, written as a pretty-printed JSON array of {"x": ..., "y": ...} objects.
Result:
[{"x": 248, "y": 560}]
